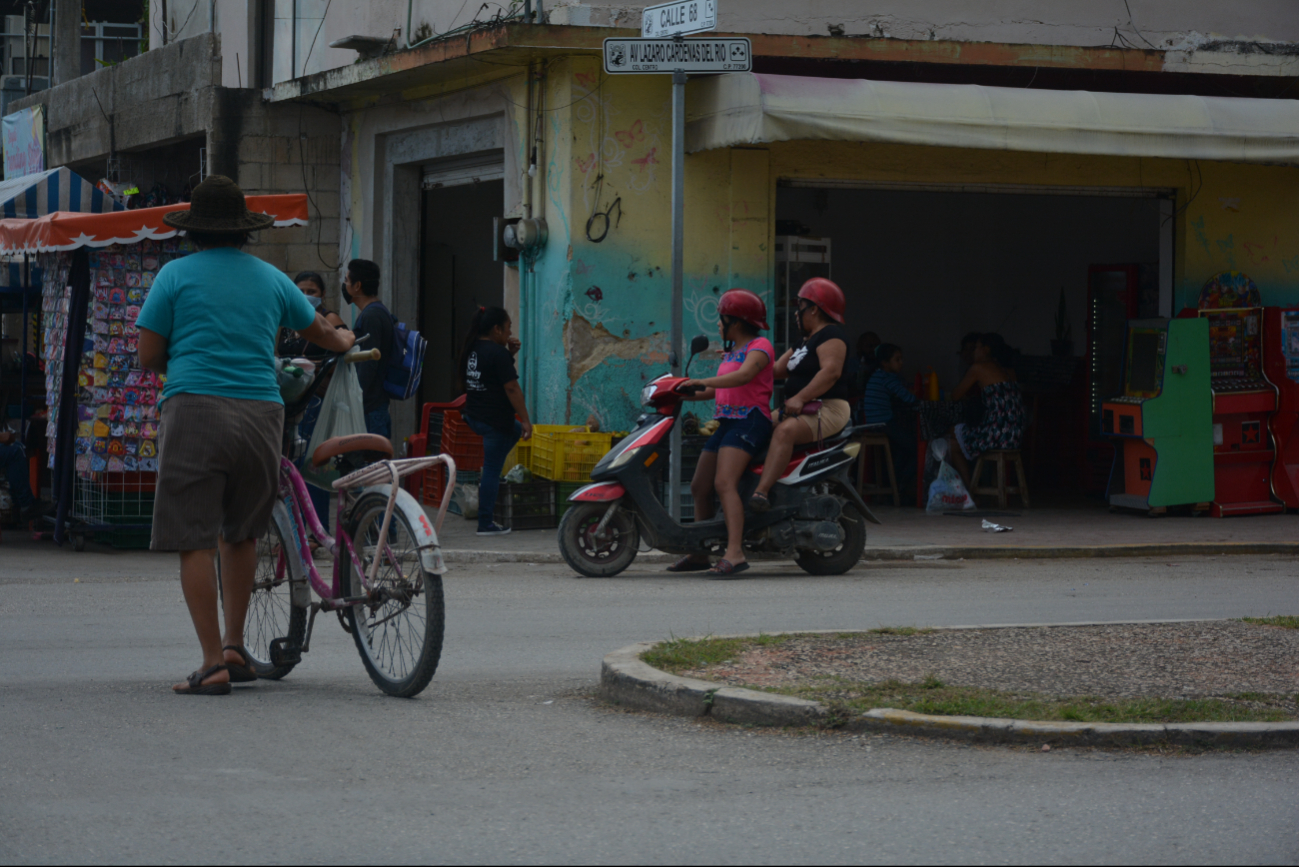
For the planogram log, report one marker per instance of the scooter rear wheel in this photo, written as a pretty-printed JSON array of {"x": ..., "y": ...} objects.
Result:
[
  {"x": 847, "y": 555},
  {"x": 598, "y": 558}
]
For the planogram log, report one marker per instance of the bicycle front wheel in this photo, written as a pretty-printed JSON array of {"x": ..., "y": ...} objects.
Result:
[{"x": 398, "y": 630}]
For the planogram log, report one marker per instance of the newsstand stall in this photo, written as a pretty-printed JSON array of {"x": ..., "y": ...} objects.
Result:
[
  {"x": 103, "y": 424},
  {"x": 30, "y": 197}
]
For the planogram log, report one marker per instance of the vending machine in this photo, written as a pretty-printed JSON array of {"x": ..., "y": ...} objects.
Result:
[
  {"x": 1161, "y": 423},
  {"x": 1281, "y": 364},
  {"x": 1244, "y": 401}
]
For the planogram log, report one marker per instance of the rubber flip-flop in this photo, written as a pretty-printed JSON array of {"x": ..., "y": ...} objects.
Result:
[
  {"x": 759, "y": 502},
  {"x": 240, "y": 672},
  {"x": 194, "y": 683},
  {"x": 726, "y": 569},
  {"x": 688, "y": 564}
]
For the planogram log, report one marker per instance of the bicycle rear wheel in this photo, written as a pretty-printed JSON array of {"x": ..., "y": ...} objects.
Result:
[
  {"x": 398, "y": 631},
  {"x": 272, "y": 611}
]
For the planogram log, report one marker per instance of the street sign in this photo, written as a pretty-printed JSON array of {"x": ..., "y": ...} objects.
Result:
[
  {"x": 692, "y": 56},
  {"x": 680, "y": 18}
]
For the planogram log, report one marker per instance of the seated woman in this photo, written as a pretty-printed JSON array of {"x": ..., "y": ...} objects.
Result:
[
  {"x": 816, "y": 402},
  {"x": 1004, "y": 418},
  {"x": 883, "y": 389},
  {"x": 742, "y": 389}
]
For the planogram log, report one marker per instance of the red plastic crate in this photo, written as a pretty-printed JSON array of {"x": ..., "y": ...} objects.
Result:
[{"x": 460, "y": 443}]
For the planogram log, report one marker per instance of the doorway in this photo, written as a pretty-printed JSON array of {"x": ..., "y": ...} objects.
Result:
[
  {"x": 924, "y": 266},
  {"x": 458, "y": 275}
]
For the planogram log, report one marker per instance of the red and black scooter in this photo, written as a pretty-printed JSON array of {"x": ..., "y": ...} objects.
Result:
[{"x": 816, "y": 516}]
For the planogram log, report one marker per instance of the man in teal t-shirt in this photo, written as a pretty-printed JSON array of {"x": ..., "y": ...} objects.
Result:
[{"x": 209, "y": 324}]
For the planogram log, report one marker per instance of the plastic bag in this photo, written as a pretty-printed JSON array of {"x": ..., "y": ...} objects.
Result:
[
  {"x": 342, "y": 413},
  {"x": 947, "y": 492},
  {"x": 518, "y": 475},
  {"x": 466, "y": 498}
]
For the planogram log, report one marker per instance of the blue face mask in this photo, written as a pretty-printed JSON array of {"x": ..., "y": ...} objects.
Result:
[{"x": 314, "y": 301}]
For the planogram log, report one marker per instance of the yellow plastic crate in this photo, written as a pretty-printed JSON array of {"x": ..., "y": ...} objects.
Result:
[
  {"x": 568, "y": 457},
  {"x": 522, "y": 453}
]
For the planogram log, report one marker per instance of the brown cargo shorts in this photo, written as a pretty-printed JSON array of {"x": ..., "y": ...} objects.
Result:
[{"x": 218, "y": 471}]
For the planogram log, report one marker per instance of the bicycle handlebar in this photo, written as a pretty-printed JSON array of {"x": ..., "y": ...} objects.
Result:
[{"x": 359, "y": 355}]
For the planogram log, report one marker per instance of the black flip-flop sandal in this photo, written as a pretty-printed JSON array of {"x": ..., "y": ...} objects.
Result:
[
  {"x": 759, "y": 502},
  {"x": 688, "y": 564},
  {"x": 194, "y": 683},
  {"x": 726, "y": 569},
  {"x": 240, "y": 672}
]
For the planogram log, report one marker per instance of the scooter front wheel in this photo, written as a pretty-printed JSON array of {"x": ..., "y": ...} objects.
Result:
[{"x": 603, "y": 556}]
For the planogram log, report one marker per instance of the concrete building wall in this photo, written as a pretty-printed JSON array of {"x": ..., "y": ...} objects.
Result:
[
  {"x": 158, "y": 110},
  {"x": 1193, "y": 33}
]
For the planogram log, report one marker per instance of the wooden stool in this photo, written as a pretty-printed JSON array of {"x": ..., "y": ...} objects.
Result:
[
  {"x": 876, "y": 442},
  {"x": 1000, "y": 489}
]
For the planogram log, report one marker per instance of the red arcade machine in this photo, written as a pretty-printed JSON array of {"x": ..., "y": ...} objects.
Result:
[
  {"x": 1281, "y": 364},
  {"x": 1244, "y": 402}
]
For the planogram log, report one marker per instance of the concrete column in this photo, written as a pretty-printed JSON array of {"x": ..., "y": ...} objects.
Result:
[{"x": 67, "y": 40}]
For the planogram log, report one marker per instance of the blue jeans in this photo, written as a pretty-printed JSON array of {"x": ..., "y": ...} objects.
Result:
[
  {"x": 14, "y": 461},
  {"x": 496, "y": 446},
  {"x": 379, "y": 421}
]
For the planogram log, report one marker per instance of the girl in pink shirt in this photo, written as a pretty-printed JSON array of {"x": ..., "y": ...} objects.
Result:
[{"x": 742, "y": 389}]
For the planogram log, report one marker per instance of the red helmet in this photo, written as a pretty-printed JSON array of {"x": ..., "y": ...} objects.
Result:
[
  {"x": 826, "y": 295},
  {"x": 744, "y": 306}
]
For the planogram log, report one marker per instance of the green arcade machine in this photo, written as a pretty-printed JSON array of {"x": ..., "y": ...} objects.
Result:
[{"x": 1163, "y": 421}]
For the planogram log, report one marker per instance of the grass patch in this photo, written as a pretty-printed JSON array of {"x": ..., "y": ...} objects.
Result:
[
  {"x": 683, "y": 654},
  {"x": 1285, "y": 621},
  {"x": 931, "y": 695}
]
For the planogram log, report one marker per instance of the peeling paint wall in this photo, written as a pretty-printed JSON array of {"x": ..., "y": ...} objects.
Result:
[{"x": 602, "y": 291}]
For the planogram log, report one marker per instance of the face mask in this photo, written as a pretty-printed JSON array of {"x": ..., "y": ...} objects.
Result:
[
  {"x": 314, "y": 301},
  {"x": 347, "y": 296}
]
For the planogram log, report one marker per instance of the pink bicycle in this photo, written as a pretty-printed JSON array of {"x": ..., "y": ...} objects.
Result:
[{"x": 387, "y": 580}]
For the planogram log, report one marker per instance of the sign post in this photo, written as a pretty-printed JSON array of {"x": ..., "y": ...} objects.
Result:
[{"x": 679, "y": 57}]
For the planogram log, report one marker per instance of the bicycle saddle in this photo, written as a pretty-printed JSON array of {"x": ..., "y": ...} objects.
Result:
[{"x": 335, "y": 446}]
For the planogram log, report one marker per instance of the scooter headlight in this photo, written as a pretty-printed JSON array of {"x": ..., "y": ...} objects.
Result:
[
  {"x": 646, "y": 394},
  {"x": 624, "y": 457}
]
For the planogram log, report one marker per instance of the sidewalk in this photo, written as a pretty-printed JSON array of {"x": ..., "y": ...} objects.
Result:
[{"x": 1084, "y": 528}]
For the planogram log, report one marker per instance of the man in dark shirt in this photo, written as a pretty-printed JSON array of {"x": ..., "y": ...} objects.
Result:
[{"x": 361, "y": 287}]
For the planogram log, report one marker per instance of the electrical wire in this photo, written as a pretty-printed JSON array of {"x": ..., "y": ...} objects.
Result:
[
  {"x": 1134, "y": 26},
  {"x": 319, "y": 27},
  {"x": 1198, "y": 188},
  {"x": 306, "y": 188}
]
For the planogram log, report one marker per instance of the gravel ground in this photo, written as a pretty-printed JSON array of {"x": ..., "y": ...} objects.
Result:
[{"x": 1157, "y": 660}]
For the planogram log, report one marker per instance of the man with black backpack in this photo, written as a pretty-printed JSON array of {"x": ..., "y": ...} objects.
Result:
[{"x": 361, "y": 287}]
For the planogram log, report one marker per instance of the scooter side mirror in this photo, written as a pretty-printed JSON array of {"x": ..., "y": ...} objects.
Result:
[{"x": 698, "y": 344}]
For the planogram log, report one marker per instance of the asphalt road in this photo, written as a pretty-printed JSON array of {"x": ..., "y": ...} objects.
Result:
[{"x": 505, "y": 758}]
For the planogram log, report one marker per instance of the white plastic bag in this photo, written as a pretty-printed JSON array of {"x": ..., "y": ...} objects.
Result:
[
  {"x": 342, "y": 413},
  {"x": 947, "y": 492}
]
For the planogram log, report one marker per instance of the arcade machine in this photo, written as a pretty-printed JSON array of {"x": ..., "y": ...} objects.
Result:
[
  {"x": 1281, "y": 365},
  {"x": 1161, "y": 423},
  {"x": 1243, "y": 404}
]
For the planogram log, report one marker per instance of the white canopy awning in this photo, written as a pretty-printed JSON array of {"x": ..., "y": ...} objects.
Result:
[{"x": 750, "y": 108}]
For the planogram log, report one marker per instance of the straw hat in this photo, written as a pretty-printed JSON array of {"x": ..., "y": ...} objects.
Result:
[{"x": 217, "y": 207}]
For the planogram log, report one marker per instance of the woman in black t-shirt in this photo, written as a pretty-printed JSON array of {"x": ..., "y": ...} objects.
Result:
[
  {"x": 492, "y": 400},
  {"x": 816, "y": 402}
]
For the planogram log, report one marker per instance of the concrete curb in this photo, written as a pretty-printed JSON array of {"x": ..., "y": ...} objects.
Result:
[
  {"x": 947, "y": 552},
  {"x": 626, "y": 680}
]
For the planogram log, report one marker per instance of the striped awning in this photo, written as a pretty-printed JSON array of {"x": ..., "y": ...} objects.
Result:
[{"x": 52, "y": 190}]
